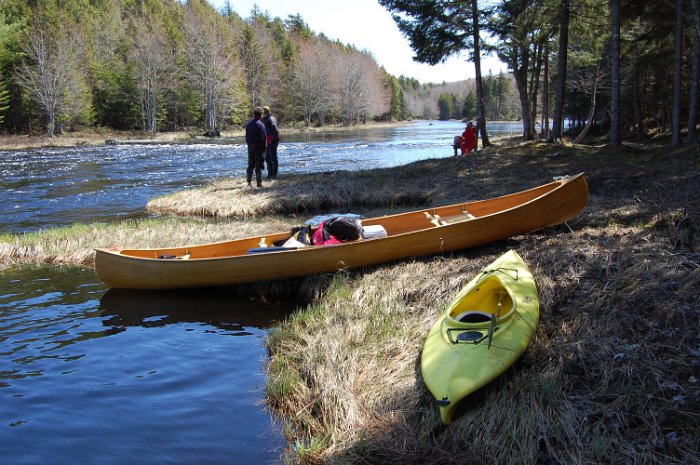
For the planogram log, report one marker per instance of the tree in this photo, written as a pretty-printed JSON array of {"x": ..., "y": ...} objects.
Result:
[
  {"x": 153, "y": 61},
  {"x": 398, "y": 103},
  {"x": 209, "y": 53},
  {"x": 469, "y": 107},
  {"x": 51, "y": 71},
  {"x": 261, "y": 60},
  {"x": 560, "y": 90},
  {"x": 615, "y": 72},
  {"x": 518, "y": 25},
  {"x": 361, "y": 93},
  {"x": 10, "y": 57},
  {"x": 500, "y": 91},
  {"x": 446, "y": 106},
  {"x": 312, "y": 82},
  {"x": 586, "y": 58},
  {"x": 677, "y": 65},
  {"x": 481, "y": 110},
  {"x": 695, "y": 76},
  {"x": 4, "y": 100},
  {"x": 438, "y": 29}
]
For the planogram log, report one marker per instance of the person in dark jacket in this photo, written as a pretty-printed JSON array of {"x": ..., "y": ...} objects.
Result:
[
  {"x": 273, "y": 140},
  {"x": 255, "y": 137}
]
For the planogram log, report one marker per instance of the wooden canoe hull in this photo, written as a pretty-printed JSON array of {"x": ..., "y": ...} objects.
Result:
[
  {"x": 409, "y": 234},
  {"x": 457, "y": 357}
]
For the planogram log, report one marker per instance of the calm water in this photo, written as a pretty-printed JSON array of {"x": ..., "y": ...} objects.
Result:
[{"x": 94, "y": 376}]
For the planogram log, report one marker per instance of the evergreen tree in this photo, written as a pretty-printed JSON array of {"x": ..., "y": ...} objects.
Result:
[
  {"x": 4, "y": 100},
  {"x": 446, "y": 106},
  {"x": 469, "y": 107},
  {"x": 439, "y": 29},
  {"x": 398, "y": 104}
]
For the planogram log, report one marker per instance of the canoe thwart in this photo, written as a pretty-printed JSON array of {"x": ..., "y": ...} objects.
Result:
[
  {"x": 437, "y": 220},
  {"x": 270, "y": 249}
]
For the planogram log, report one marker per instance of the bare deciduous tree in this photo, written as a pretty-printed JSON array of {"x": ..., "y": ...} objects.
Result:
[
  {"x": 312, "y": 82},
  {"x": 153, "y": 60},
  {"x": 212, "y": 66},
  {"x": 259, "y": 56},
  {"x": 51, "y": 74},
  {"x": 360, "y": 88}
]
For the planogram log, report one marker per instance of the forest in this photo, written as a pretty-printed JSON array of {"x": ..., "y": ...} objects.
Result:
[
  {"x": 618, "y": 68},
  {"x": 165, "y": 65},
  {"x": 613, "y": 68}
]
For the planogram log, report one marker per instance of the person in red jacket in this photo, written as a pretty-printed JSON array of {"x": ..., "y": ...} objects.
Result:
[{"x": 469, "y": 139}]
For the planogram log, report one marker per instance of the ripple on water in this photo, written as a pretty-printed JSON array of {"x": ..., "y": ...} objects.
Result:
[{"x": 103, "y": 377}]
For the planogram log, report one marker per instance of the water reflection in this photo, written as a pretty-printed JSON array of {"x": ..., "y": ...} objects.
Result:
[
  {"x": 217, "y": 307},
  {"x": 103, "y": 377}
]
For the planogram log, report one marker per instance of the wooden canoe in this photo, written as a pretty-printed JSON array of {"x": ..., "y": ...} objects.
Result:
[
  {"x": 416, "y": 233},
  {"x": 484, "y": 331}
]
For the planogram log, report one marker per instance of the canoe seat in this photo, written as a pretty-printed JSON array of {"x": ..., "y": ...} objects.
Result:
[{"x": 167, "y": 256}]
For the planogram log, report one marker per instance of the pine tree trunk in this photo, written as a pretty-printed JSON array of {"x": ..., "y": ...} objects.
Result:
[
  {"x": 677, "y": 58},
  {"x": 561, "y": 72},
  {"x": 591, "y": 112},
  {"x": 693, "y": 106},
  {"x": 535, "y": 85},
  {"x": 545, "y": 95},
  {"x": 615, "y": 72},
  {"x": 481, "y": 110},
  {"x": 637, "y": 95}
]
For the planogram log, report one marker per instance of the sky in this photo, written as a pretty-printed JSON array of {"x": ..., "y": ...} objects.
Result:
[{"x": 368, "y": 26}]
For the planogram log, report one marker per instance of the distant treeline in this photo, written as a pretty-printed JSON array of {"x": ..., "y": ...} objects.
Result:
[{"x": 167, "y": 65}]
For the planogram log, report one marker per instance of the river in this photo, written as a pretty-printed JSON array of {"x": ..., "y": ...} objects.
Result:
[{"x": 98, "y": 376}]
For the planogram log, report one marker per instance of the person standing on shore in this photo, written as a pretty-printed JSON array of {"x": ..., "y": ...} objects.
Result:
[
  {"x": 255, "y": 137},
  {"x": 273, "y": 140}
]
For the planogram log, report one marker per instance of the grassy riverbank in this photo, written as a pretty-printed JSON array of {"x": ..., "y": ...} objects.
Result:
[
  {"x": 611, "y": 377},
  {"x": 74, "y": 245}
]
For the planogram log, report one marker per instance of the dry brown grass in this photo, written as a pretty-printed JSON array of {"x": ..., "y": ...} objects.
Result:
[
  {"x": 303, "y": 194},
  {"x": 612, "y": 376},
  {"x": 74, "y": 245}
]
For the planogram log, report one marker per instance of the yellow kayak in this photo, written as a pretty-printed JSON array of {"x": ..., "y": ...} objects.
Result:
[{"x": 484, "y": 331}]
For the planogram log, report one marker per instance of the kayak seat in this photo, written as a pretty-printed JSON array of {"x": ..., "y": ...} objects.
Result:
[{"x": 473, "y": 316}]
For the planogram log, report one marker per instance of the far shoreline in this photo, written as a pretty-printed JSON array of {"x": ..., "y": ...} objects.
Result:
[{"x": 101, "y": 136}]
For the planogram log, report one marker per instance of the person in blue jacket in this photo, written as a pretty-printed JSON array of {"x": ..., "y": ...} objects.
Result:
[
  {"x": 273, "y": 140},
  {"x": 255, "y": 137}
]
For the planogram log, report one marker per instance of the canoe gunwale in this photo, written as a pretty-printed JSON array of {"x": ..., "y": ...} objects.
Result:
[{"x": 114, "y": 265}]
